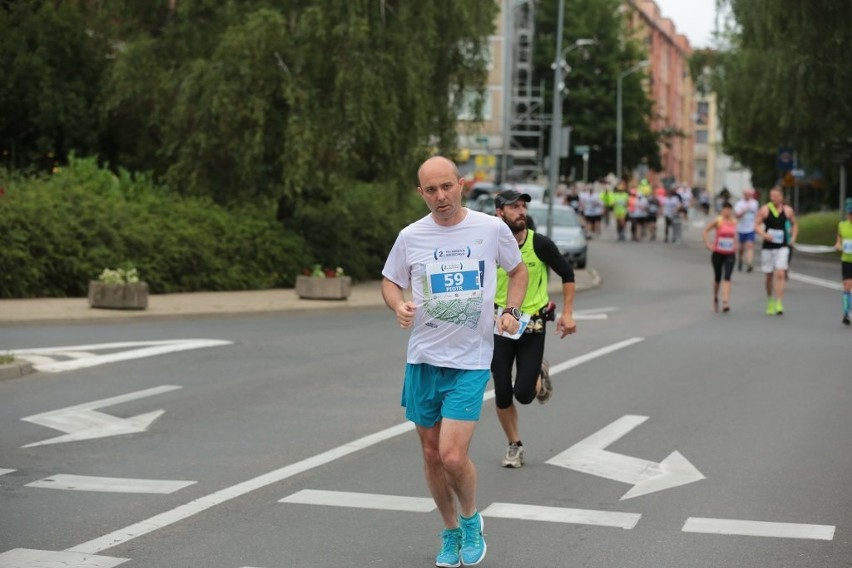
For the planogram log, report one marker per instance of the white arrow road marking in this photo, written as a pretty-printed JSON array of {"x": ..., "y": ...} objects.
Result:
[
  {"x": 29, "y": 558},
  {"x": 562, "y": 515},
  {"x": 589, "y": 456},
  {"x": 82, "y": 360},
  {"x": 83, "y": 422},
  {"x": 758, "y": 528},
  {"x": 110, "y": 484},
  {"x": 37, "y": 360},
  {"x": 5, "y": 471},
  {"x": 361, "y": 500}
]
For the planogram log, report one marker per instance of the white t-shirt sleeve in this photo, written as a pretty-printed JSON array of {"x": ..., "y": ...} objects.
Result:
[{"x": 396, "y": 267}]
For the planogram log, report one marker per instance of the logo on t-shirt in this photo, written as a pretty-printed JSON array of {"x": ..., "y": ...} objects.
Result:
[{"x": 441, "y": 254}]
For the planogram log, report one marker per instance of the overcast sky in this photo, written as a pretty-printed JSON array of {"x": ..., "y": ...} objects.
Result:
[{"x": 693, "y": 18}]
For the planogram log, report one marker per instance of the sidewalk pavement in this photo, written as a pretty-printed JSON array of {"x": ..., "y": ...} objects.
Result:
[
  {"x": 43, "y": 311},
  {"x": 169, "y": 306}
]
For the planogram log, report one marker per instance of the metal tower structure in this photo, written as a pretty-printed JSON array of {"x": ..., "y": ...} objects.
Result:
[{"x": 524, "y": 120}]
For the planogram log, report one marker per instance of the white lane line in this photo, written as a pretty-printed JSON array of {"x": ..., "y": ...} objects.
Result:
[
  {"x": 110, "y": 484},
  {"x": 203, "y": 503},
  {"x": 562, "y": 515},
  {"x": 814, "y": 249},
  {"x": 5, "y": 471},
  {"x": 361, "y": 500},
  {"x": 758, "y": 528},
  {"x": 571, "y": 363},
  {"x": 30, "y": 558},
  {"x": 830, "y": 284},
  {"x": 602, "y": 310},
  {"x": 588, "y": 317}
]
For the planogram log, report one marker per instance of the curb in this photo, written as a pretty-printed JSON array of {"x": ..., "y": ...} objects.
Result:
[{"x": 15, "y": 370}]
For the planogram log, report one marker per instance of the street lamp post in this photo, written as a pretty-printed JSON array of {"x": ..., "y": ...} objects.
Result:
[
  {"x": 559, "y": 66},
  {"x": 619, "y": 125}
]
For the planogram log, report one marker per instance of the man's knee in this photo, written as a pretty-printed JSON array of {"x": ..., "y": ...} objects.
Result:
[{"x": 454, "y": 458}]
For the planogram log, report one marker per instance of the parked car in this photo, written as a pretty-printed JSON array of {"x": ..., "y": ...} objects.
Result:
[
  {"x": 568, "y": 232},
  {"x": 481, "y": 188},
  {"x": 534, "y": 190},
  {"x": 483, "y": 203}
]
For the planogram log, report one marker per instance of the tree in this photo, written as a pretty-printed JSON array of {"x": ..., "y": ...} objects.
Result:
[
  {"x": 782, "y": 79},
  {"x": 52, "y": 59},
  {"x": 271, "y": 98},
  {"x": 590, "y": 105}
]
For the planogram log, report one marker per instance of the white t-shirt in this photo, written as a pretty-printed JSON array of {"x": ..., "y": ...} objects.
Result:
[
  {"x": 748, "y": 207},
  {"x": 452, "y": 272}
]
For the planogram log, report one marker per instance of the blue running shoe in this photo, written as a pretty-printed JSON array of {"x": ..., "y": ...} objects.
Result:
[
  {"x": 473, "y": 543},
  {"x": 451, "y": 541}
]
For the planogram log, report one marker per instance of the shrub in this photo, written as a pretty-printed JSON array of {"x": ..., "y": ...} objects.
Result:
[
  {"x": 818, "y": 228},
  {"x": 354, "y": 225},
  {"x": 59, "y": 231}
]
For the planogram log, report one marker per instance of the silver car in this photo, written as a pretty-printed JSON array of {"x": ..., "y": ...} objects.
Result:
[{"x": 568, "y": 232}]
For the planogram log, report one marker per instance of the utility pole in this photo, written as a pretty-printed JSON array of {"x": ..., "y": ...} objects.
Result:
[{"x": 556, "y": 121}]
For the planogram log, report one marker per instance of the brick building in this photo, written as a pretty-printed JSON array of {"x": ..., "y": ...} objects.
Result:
[{"x": 670, "y": 86}]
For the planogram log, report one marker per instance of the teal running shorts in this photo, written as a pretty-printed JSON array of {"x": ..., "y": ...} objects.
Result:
[{"x": 430, "y": 393}]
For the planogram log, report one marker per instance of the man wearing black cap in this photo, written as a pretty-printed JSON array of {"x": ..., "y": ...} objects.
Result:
[{"x": 526, "y": 349}]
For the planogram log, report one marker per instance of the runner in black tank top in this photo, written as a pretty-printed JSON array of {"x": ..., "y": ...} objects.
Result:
[{"x": 771, "y": 224}]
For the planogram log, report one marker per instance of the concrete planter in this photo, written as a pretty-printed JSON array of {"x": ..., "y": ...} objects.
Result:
[
  {"x": 118, "y": 296},
  {"x": 311, "y": 288},
  {"x": 15, "y": 369}
]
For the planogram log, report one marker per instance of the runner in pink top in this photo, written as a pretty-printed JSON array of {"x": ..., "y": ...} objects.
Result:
[{"x": 724, "y": 249}]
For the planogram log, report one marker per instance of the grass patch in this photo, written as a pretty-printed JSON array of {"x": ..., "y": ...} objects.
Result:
[
  {"x": 6, "y": 358},
  {"x": 818, "y": 228}
]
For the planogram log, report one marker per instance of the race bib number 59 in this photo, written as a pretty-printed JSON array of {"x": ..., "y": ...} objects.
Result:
[{"x": 456, "y": 279}]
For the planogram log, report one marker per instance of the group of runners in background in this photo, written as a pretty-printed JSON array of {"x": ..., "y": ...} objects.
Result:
[
  {"x": 730, "y": 236},
  {"x": 636, "y": 211}
]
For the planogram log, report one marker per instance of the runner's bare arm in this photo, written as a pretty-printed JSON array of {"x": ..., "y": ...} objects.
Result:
[
  {"x": 565, "y": 324},
  {"x": 394, "y": 299}
]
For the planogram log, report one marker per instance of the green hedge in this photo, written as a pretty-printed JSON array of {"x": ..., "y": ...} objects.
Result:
[
  {"x": 819, "y": 228},
  {"x": 59, "y": 231}
]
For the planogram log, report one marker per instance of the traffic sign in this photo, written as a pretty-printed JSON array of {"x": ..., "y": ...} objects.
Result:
[{"x": 580, "y": 150}]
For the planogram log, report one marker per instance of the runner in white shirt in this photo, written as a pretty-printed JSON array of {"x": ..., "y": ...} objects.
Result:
[
  {"x": 593, "y": 210},
  {"x": 449, "y": 260},
  {"x": 745, "y": 210}
]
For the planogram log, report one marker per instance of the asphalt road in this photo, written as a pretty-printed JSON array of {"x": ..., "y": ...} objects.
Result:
[{"x": 302, "y": 408}]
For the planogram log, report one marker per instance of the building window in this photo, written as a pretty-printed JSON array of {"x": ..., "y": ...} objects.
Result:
[
  {"x": 701, "y": 136},
  {"x": 473, "y": 101},
  {"x": 703, "y": 113},
  {"x": 701, "y": 169}
]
